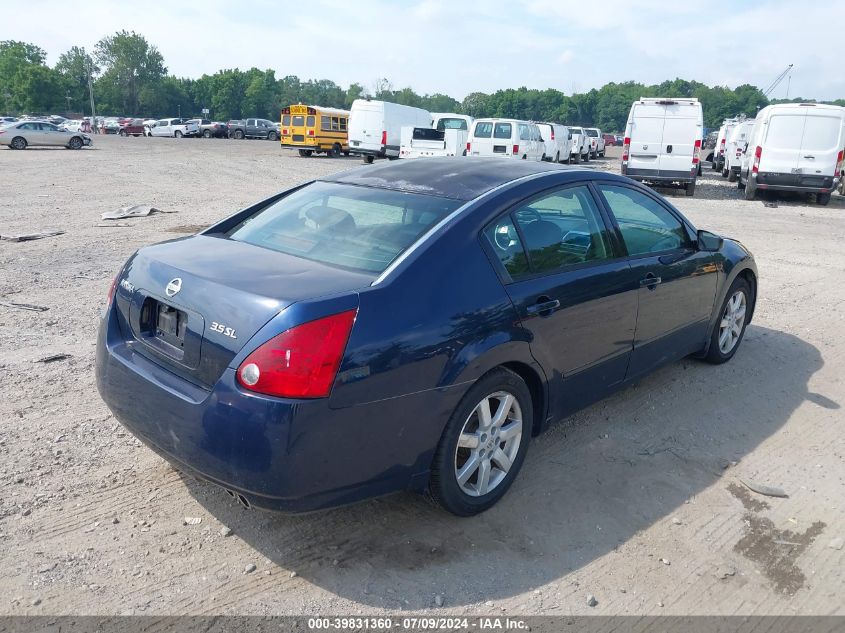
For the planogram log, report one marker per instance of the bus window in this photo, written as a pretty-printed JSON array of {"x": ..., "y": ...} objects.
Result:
[
  {"x": 298, "y": 121},
  {"x": 324, "y": 123},
  {"x": 309, "y": 122},
  {"x": 335, "y": 123},
  {"x": 286, "y": 119},
  {"x": 342, "y": 125}
]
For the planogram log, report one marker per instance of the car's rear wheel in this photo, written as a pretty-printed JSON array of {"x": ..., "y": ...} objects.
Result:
[
  {"x": 725, "y": 172},
  {"x": 368, "y": 159},
  {"x": 18, "y": 142},
  {"x": 75, "y": 143},
  {"x": 557, "y": 157},
  {"x": 731, "y": 175},
  {"x": 484, "y": 444},
  {"x": 690, "y": 188},
  {"x": 305, "y": 153},
  {"x": 577, "y": 159},
  {"x": 238, "y": 135},
  {"x": 750, "y": 190},
  {"x": 823, "y": 198},
  {"x": 123, "y": 133},
  {"x": 733, "y": 318},
  {"x": 272, "y": 137},
  {"x": 206, "y": 133}
]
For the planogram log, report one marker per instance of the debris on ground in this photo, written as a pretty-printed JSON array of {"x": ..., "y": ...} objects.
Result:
[
  {"x": 836, "y": 543},
  {"x": 249, "y": 569},
  {"x": 114, "y": 225},
  {"x": 760, "y": 489},
  {"x": 225, "y": 531},
  {"x": 591, "y": 601},
  {"x": 771, "y": 204},
  {"x": 28, "y": 237},
  {"x": 54, "y": 358},
  {"x": 191, "y": 520},
  {"x": 132, "y": 211},
  {"x": 725, "y": 572},
  {"x": 23, "y": 306}
]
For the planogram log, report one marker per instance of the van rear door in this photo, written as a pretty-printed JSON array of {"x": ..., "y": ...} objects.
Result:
[
  {"x": 366, "y": 125},
  {"x": 646, "y": 139},
  {"x": 782, "y": 142},
  {"x": 681, "y": 129},
  {"x": 481, "y": 142},
  {"x": 820, "y": 143}
]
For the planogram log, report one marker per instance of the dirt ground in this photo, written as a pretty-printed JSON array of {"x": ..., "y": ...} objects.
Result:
[{"x": 637, "y": 500}]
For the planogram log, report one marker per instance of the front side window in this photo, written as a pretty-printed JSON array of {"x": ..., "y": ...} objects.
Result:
[
  {"x": 163, "y": 123},
  {"x": 646, "y": 225},
  {"x": 503, "y": 130},
  {"x": 563, "y": 229},
  {"x": 362, "y": 228}
]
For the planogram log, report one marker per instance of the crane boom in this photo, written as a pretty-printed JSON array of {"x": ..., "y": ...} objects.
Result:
[{"x": 777, "y": 81}]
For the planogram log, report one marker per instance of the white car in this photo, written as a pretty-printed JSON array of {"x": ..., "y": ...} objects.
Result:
[
  {"x": 662, "y": 143},
  {"x": 558, "y": 142},
  {"x": 375, "y": 127},
  {"x": 72, "y": 125},
  {"x": 735, "y": 148},
  {"x": 510, "y": 138},
  {"x": 580, "y": 144},
  {"x": 795, "y": 147},
  {"x": 596, "y": 141},
  {"x": 176, "y": 128}
]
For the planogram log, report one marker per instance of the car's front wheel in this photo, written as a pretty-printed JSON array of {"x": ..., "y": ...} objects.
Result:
[
  {"x": 733, "y": 318},
  {"x": 484, "y": 444},
  {"x": 75, "y": 143},
  {"x": 18, "y": 142}
]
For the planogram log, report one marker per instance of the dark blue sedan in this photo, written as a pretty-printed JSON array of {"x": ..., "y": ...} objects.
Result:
[{"x": 408, "y": 326}]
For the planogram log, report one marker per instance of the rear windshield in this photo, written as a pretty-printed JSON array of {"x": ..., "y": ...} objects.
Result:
[
  {"x": 483, "y": 129},
  {"x": 299, "y": 121},
  {"x": 503, "y": 130},
  {"x": 361, "y": 228},
  {"x": 451, "y": 124},
  {"x": 592, "y": 132}
]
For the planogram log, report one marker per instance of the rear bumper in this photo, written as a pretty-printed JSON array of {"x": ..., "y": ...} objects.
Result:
[
  {"x": 281, "y": 455},
  {"x": 804, "y": 183},
  {"x": 663, "y": 177}
]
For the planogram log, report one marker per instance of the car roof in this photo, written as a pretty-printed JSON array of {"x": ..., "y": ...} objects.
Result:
[{"x": 456, "y": 178}]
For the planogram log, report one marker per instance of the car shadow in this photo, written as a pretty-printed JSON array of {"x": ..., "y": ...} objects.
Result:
[{"x": 589, "y": 484}]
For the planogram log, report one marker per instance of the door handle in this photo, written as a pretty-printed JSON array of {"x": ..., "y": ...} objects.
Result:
[
  {"x": 811, "y": 157},
  {"x": 650, "y": 281},
  {"x": 543, "y": 308}
]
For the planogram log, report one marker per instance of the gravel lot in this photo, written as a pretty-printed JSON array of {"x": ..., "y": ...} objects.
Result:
[{"x": 635, "y": 500}]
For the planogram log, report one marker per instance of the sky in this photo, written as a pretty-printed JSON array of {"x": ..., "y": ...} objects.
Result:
[{"x": 457, "y": 47}]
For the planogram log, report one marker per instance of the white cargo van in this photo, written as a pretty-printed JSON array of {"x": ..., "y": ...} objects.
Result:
[
  {"x": 506, "y": 137},
  {"x": 662, "y": 143},
  {"x": 580, "y": 144},
  {"x": 725, "y": 130},
  {"x": 795, "y": 147},
  {"x": 420, "y": 142},
  {"x": 735, "y": 148},
  {"x": 558, "y": 141},
  {"x": 375, "y": 127}
]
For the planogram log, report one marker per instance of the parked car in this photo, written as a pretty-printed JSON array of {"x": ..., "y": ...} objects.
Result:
[
  {"x": 211, "y": 129},
  {"x": 609, "y": 140},
  {"x": 73, "y": 125},
  {"x": 131, "y": 127},
  {"x": 735, "y": 148},
  {"x": 278, "y": 353},
  {"x": 176, "y": 128},
  {"x": 580, "y": 144},
  {"x": 596, "y": 141},
  {"x": 6, "y": 120},
  {"x": 253, "y": 128},
  {"x": 795, "y": 147},
  {"x": 109, "y": 125},
  {"x": 375, "y": 127},
  {"x": 148, "y": 125},
  {"x": 557, "y": 140},
  {"x": 662, "y": 143},
  {"x": 509, "y": 138},
  {"x": 22, "y": 134}
]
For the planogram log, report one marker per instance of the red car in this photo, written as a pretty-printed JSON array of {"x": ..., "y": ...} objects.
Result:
[
  {"x": 133, "y": 127},
  {"x": 609, "y": 139}
]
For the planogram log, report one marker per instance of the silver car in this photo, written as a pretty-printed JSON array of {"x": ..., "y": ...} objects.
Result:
[{"x": 22, "y": 134}]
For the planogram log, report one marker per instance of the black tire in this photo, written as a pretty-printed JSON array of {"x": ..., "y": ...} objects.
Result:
[
  {"x": 699, "y": 169},
  {"x": 725, "y": 172},
  {"x": 272, "y": 136},
  {"x": 443, "y": 486},
  {"x": 334, "y": 152},
  {"x": 346, "y": 152},
  {"x": 689, "y": 190},
  {"x": 557, "y": 157},
  {"x": 19, "y": 142},
  {"x": 177, "y": 134},
  {"x": 750, "y": 190},
  {"x": 75, "y": 143},
  {"x": 601, "y": 153},
  {"x": 714, "y": 354},
  {"x": 123, "y": 133},
  {"x": 731, "y": 176},
  {"x": 823, "y": 198},
  {"x": 577, "y": 159},
  {"x": 238, "y": 134},
  {"x": 586, "y": 157},
  {"x": 206, "y": 133},
  {"x": 305, "y": 153},
  {"x": 368, "y": 159}
]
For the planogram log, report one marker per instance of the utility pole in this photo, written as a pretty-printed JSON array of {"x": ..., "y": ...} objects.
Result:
[
  {"x": 94, "y": 127},
  {"x": 68, "y": 98}
]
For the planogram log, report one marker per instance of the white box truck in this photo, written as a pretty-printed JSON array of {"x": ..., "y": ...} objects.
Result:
[
  {"x": 795, "y": 147},
  {"x": 662, "y": 144},
  {"x": 375, "y": 127}
]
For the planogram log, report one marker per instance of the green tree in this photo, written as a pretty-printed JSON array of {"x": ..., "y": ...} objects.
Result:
[
  {"x": 74, "y": 66},
  {"x": 132, "y": 65}
]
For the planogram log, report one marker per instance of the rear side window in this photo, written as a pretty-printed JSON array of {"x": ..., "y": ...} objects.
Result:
[
  {"x": 524, "y": 132},
  {"x": 361, "y": 228},
  {"x": 483, "y": 129},
  {"x": 646, "y": 225},
  {"x": 507, "y": 246},
  {"x": 502, "y": 130}
]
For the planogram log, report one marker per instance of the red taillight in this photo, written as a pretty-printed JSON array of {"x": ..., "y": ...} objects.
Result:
[
  {"x": 626, "y": 146},
  {"x": 469, "y": 145},
  {"x": 285, "y": 131},
  {"x": 384, "y": 137},
  {"x": 553, "y": 133},
  {"x": 839, "y": 159},
  {"x": 310, "y": 132},
  {"x": 301, "y": 362},
  {"x": 515, "y": 149},
  {"x": 722, "y": 147},
  {"x": 696, "y": 153},
  {"x": 755, "y": 168}
]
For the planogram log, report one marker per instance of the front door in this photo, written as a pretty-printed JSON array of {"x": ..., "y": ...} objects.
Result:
[
  {"x": 677, "y": 282},
  {"x": 572, "y": 290}
]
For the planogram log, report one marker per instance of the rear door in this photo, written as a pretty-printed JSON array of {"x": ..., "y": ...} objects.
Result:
[
  {"x": 782, "y": 143},
  {"x": 481, "y": 143},
  {"x": 681, "y": 129},
  {"x": 820, "y": 143},
  {"x": 646, "y": 139},
  {"x": 572, "y": 290},
  {"x": 366, "y": 126}
]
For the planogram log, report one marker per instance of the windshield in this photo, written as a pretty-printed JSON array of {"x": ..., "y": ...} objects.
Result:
[{"x": 354, "y": 227}]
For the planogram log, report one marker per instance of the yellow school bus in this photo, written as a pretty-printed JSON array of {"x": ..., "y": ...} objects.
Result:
[{"x": 313, "y": 129}]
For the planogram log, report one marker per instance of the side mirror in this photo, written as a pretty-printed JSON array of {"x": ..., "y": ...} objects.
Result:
[{"x": 708, "y": 241}]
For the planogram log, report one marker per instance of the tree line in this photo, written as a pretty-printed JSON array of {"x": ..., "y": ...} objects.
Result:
[{"x": 129, "y": 78}]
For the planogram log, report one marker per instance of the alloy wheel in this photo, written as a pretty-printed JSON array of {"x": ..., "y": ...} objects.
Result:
[
  {"x": 733, "y": 319},
  {"x": 488, "y": 444}
]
